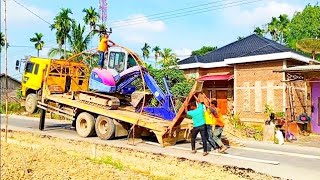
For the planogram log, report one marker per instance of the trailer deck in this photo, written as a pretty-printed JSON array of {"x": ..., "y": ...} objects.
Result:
[{"x": 123, "y": 114}]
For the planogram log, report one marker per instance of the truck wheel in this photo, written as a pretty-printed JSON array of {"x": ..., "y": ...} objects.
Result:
[
  {"x": 105, "y": 128},
  {"x": 31, "y": 103},
  {"x": 85, "y": 125}
]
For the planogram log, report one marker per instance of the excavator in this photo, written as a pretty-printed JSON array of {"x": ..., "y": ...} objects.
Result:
[{"x": 121, "y": 69}]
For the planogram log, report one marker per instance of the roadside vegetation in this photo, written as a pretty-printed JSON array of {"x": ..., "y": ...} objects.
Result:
[
  {"x": 243, "y": 130},
  {"x": 32, "y": 156}
]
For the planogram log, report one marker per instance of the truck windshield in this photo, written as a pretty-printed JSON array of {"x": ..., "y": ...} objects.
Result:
[{"x": 29, "y": 67}]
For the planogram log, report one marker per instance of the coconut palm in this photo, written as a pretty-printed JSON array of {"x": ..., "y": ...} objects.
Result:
[
  {"x": 38, "y": 42},
  {"x": 62, "y": 24},
  {"x": 283, "y": 27},
  {"x": 2, "y": 41},
  {"x": 168, "y": 57},
  {"x": 78, "y": 41},
  {"x": 258, "y": 31},
  {"x": 101, "y": 28},
  {"x": 273, "y": 28},
  {"x": 156, "y": 51},
  {"x": 145, "y": 51},
  {"x": 91, "y": 17}
]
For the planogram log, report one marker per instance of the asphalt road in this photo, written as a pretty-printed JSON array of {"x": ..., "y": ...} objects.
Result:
[{"x": 284, "y": 161}]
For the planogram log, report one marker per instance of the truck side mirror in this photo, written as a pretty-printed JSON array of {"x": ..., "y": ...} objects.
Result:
[{"x": 17, "y": 65}]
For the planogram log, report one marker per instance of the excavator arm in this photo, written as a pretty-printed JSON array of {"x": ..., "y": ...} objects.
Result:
[{"x": 166, "y": 108}]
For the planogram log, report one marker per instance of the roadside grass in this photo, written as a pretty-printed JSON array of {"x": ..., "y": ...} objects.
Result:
[
  {"x": 109, "y": 161},
  {"x": 254, "y": 131},
  {"x": 13, "y": 108}
]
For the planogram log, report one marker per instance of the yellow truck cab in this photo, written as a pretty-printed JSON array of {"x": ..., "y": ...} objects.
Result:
[
  {"x": 60, "y": 76},
  {"x": 32, "y": 79}
]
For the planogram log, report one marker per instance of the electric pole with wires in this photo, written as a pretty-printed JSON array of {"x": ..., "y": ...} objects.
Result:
[{"x": 6, "y": 59}]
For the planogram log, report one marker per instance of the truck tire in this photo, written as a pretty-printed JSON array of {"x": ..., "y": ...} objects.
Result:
[
  {"x": 31, "y": 103},
  {"x": 105, "y": 128},
  {"x": 85, "y": 125}
]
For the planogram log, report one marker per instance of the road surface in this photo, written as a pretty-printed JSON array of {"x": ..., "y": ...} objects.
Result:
[{"x": 284, "y": 161}]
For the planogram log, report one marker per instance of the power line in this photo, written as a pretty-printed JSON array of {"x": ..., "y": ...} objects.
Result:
[
  {"x": 192, "y": 12},
  {"x": 167, "y": 12},
  {"x": 32, "y": 12}
]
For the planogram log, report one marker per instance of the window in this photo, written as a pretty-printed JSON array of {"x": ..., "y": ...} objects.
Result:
[
  {"x": 29, "y": 67},
  {"x": 116, "y": 61},
  {"x": 36, "y": 69},
  {"x": 131, "y": 62}
]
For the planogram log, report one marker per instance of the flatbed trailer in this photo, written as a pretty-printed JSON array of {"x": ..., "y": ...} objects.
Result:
[{"x": 122, "y": 119}]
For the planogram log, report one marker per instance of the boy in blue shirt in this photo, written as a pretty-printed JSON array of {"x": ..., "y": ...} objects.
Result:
[{"x": 197, "y": 115}]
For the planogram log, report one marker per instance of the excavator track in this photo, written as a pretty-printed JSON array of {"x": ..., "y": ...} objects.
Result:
[{"x": 99, "y": 100}]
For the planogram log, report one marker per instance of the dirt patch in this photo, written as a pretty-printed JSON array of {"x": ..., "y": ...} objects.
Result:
[{"x": 32, "y": 156}]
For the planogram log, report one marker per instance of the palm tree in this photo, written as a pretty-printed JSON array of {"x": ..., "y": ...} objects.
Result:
[
  {"x": 273, "y": 28},
  {"x": 156, "y": 51},
  {"x": 2, "y": 41},
  {"x": 101, "y": 28},
  {"x": 91, "y": 17},
  {"x": 38, "y": 41},
  {"x": 78, "y": 42},
  {"x": 145, "y": 51},
  {"x": 283, "y": 27},
  {"x": 258, "y": 31},
  {"x": 168, "y": 57},
  {"x": 62, "y": 24}
]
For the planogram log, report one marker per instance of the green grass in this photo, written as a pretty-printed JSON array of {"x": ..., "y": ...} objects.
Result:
[
  {"x": 109, "y": 161},
  {"x": 13, "y": 107}
]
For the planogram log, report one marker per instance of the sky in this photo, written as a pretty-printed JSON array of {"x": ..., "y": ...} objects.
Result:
[{"x": 134, "y": 22}]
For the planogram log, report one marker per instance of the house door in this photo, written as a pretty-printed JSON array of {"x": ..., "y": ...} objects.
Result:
[
  {"x": 222, "y": 101},
  {"x": 315, "y": 116}
]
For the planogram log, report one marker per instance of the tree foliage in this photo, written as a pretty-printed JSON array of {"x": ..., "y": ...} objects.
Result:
[
  {"x": 156, "y": 51},
  {"x": 91, "y": 17},
  {"x": 259, "y": 31},
  {"x": 38, "y": 42},
  {"x": 168, "y": 58},
  {"x": 179, "y": 85},
  {"x": 305, "y": 24},
  {"x": 146, "y": 51},
  {"x": 62, "y": 24},
  {"x": 204, "y": 50}
]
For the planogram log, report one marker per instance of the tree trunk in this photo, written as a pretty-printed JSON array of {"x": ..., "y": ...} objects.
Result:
[
  {"x": 65, "y": 47},
  {"x": 38, "y": 52}
]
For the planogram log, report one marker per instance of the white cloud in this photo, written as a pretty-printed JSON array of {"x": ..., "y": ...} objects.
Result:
[
  {"x": 18, "y": 16},
  {"x": 261, "y": 14},
  {"x": 182, "y": 53},
  {"x": 138, "y": 29}
]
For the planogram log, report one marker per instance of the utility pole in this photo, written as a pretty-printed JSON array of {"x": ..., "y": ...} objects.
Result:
[{"x": 6, "y": 59}]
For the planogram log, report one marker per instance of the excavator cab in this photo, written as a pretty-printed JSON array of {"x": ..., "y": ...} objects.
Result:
[{"x": 119, "y": 59}]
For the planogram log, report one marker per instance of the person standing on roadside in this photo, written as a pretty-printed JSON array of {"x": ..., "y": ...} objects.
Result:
[
  {"x": 210, "y": 115},
  {"x": 197, "y": 115},
  {"x": 218, "y": 129}
]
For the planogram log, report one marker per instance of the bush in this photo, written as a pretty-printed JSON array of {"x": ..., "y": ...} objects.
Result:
[
  {"x": 177, "y": 82},
  {"x": 249, "y": 131},
  {"x": 13, "y": 108}
]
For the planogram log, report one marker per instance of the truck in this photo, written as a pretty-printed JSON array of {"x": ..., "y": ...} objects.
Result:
[{"x": 62, "y": 87}]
